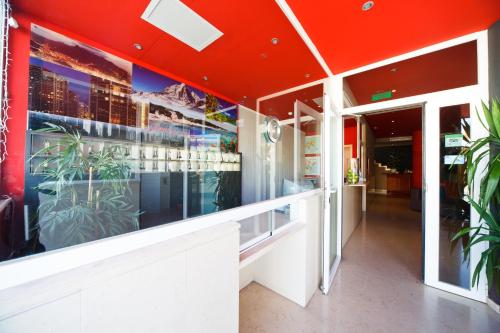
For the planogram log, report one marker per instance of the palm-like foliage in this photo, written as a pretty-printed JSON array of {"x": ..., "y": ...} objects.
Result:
[
  {"x": 83, "y": 197},
  {"x": 489, "y": 182},
  {"x": 489, "y": 227}
]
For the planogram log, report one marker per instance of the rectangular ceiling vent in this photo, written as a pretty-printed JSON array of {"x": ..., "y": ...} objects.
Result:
[{"x": 181, "y": 22}]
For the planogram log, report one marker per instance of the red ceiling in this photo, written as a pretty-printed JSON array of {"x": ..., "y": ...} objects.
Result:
[
  {"x": 243, "y": 62},
  {"x": 348, "y": 38},
  {"x": 281, "y": 105},
  {"x": 446, "y": 69},
  {"x": 401, "y": 123}
]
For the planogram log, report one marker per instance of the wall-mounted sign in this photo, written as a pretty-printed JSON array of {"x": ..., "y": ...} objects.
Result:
[
  {"x": 272, "y": 130},
  {"x": 454, "y": 159},
  {"x": 453, "y": 140},
  {"x": 381, "y": 96}
]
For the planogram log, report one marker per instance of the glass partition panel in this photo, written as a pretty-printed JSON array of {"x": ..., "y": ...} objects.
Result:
[
  {"x": 113, "y": 147},
  {"x": 333, "y": 228},
  {"x": 259, "y": 227},
  {"x": 284, "y": 215},
  {"x": 454, "y": 209},
  {"x": 254, "y": 229},
  {"x": 294, "y": 160}
]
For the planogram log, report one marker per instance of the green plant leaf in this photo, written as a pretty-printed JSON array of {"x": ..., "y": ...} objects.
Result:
[
  {"x": 495, "y": 115},
  {"x": 491, "y": 183}
]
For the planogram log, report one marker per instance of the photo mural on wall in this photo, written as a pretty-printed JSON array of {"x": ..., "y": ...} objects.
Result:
[
  {"x": 71, "y": 79},
  {"x": 114, "y": 147}
]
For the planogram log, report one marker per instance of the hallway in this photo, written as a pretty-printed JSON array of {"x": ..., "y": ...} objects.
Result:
[{"x": 377, "y": 288}]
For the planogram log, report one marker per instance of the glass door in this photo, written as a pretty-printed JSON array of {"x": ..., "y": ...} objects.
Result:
[
  {"x": 450, "y": 124},
  {"x": 332, "y": 199}
]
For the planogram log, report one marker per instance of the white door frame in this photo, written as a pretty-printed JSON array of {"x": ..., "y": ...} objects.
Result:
[
  {"x": 300, "y": 108},
  {"x": 471, "y": 94},
  {"x": 333, "y": 176}
]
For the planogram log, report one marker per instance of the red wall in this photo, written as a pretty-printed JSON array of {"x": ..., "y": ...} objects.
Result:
[
  {"x": 351, "y": 135},
  {"x": 13, "y": 167},
  {"x": 416, "y": 179}
]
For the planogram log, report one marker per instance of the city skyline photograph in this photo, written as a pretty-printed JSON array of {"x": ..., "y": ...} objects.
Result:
[
  {"x": 78, "y": 82},
  {"x": 56, "y": 48}
]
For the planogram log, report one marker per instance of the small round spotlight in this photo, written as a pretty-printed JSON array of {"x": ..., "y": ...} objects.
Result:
[
  {"x": 368, "y": 5},
  {"x": 138, "y": 46}
]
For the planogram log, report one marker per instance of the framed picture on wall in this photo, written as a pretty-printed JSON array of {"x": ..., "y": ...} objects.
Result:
[
  {"x": 312, "y": 145},
  {"x": 312, "y": 166}
]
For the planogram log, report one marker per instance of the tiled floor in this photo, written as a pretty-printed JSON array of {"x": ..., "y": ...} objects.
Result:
[{"x": 377, "y": 288}]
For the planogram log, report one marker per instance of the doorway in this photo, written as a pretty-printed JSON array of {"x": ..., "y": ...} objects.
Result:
[
  {"x": 450, "y": 75},
  {"x": 382, "y": 192}
]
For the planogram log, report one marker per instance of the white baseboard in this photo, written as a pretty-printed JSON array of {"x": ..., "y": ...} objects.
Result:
[{"x": 491, "y": 303}]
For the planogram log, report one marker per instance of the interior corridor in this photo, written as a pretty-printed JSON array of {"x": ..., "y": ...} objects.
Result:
[{"x": 377, "y": 287}]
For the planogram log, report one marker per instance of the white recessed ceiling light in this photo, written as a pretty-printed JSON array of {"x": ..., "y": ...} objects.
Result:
[
  {"x": 394, "y": 90},
  {"x": 392, "y": 121},
  {"x": 275, "y": 40},
  {"x": 307, "y": 75},
  {"x": 244, "y": 97},
  {"x": 181, "y": 22},
  {"x": 205, "y": 78},
  {"x": 368, "y": 5},
  {"x": 138, "y": 46},
  {"x": 395, "y": 69},
  {"x": 290, "y": 113}
]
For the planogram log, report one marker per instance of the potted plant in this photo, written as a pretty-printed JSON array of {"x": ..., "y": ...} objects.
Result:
[
  {"x": 84, "y": 195},
  {"x": 488, "y": 229}
]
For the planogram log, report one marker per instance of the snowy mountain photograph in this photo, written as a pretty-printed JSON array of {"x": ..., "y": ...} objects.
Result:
[{"x": 173, "y": 101}]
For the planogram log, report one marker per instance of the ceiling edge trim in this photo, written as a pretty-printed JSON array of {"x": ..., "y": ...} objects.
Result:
[{"x": 303, "y": 34}]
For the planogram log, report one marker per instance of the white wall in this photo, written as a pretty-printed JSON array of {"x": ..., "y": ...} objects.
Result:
[
  {"x": 187, "y": 284},
  {"x": 351, "y": 212},
  {"x": 290, "y": 265}
]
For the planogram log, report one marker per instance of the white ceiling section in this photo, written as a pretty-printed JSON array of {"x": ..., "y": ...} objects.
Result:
[{"x": 181, "y": 22}]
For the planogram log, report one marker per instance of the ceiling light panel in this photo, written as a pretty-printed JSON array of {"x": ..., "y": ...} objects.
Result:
[{"x": 181, "y": 22}]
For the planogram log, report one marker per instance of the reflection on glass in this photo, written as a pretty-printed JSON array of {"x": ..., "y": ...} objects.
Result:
[
  {"x": 254, "y": 228},
  {"x": 82, "y": 188},
  {"x": 113, "y": 147},
  {"x": 263, "y": 225},
  {"x": 333, "y": 227},
  {"x": 454, "y": 210},
  {"x": 282, "y": 216}
]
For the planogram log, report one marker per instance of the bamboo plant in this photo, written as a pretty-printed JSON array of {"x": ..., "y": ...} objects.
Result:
[
  {"x": 485, "y": 151},
  {"x": 84, "y": 196}
]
